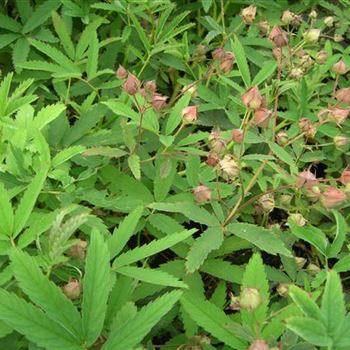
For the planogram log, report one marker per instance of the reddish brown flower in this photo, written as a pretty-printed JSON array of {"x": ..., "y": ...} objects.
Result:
[
  {"x": 343, "y": 95},
  {"x": 190, "y": 114},
  {"x": 121, "y": 72},
  {"x": 158, "y": 101},
  {"x": 340, "y": 67},
  {"x": 227, "y": 62},
  {"x": 338, "y": 115},
  {"x": 72, "y": 289},
  {"x": 332, "y": 197},
  {"x": 237, "y": 135},
  {"x": 262, "y": 117},
  {"x": 131, "y": 84},
  {"x": 150, "y": 87},
  {"x": 218, "y": 54},
  {"x": 77, "y": 251},
  {"x": 345, "y": 176},
  {"x": 278, "y": 37},
  {"x": 306, "y": 179},
  {"x": 212, "y": 159},
  {"x": 259, "y": 344},
  {"x": 252, "y": 98},
  {"x": 202, "y": 194}
]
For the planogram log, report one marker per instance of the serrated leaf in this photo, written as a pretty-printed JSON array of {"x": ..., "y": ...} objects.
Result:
[
  {"x": 208, "y": 241},
  {"x": 6, "y": 212},
  {"x": 260, "y": 237},
  {"x": 140, "y": 31},
  {"x": 9, "y": 23},
  {"x": 4, "y": 92},
  {"x": 139, "y": 326},
  {"x": 265, "y": 72},
  {"x": 340, "y": 235},
  {"x": 153, "y": 276},
  {"x": 6, "y": 39},
  {"x": 165, "y": 173},
  {"x": 47, "y": 114},
  {"x": 20, "y": 53},
  {"x": 241, "y": 61},
  {"x": 281, "y": 154},
  {"x": 96, "y": 286},
  {"x": 66, "y": 154},
  {"x": 92, "y": 61},
  {"x": 134, "y": 165},
  {"x": 105, "y": 152}
]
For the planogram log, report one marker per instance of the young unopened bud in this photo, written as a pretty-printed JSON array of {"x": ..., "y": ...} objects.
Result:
[
  {"x": 340, "y": 141},
  {"x": 282, "y": 289},
  {"x": 321, "y": 57},
  {"x": 218, "y": 54},
  {"x": 229, "y": 166},
  {"x": 312, "y": 35},
  {"x": 285, "y": 199},
  {"x": 259, "y": 344},
  {"x": 78, "y": 250},
  {"x": 278, "y": 37},
  {"x": 332, "y": 197},
  {"x": 250, "y": 299},
  {"x": 307, "y": 127},
  {"x": 212, "y": 159},
  {"x": 296, "y": 73},
  {"x": 248, "y": 14},
  {"x": 190, "y": 114},
  {"x": 287, "y": 17},
  {"x": 338, "y": 38},
  {"x": 313, "y": 269},
  {"x": 313, "y": 14},
  {"x": 343, "y": 95},
  {"x": 217, "y": 143},
  {"x": 298, "y": 219},
  {"x": 227, "y": 62},
  {"x": 252, "y": 98},
  {"x": 131, "y": 84},
  {"x": 202, "y": 194},
  {"x": 237, "y": 135},
  {"x": 329, "y": 21},
  {"x": 338, "y": 115},
  {"x": 300, "y": 262},
  {"x": 150, "y": 87},
  {"x": 267, "y": 202},
  {"x": 306, "y": 179},
  {"x": 158, "y": 101},
  {"x": 263, "y": 27},
  {"x": 277, "y": 53},
  {"x": 121, "y": 72},
  {"x": 306, "y": 61},
  {"x": 262, "y": 117},
  {"x": 282, "y": 138},
  {"x": 72, "y": 289},
  {"x": 340, "y": 67},
  {"x": 345, "y": 176}
]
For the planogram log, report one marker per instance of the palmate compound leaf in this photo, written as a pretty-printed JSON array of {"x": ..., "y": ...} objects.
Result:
[
  {"x": 137, "y": 327},
  {"x": 30, "y": 321},
  {"x": 45, "y": 293},
  {"x": 96, "y": 287}
]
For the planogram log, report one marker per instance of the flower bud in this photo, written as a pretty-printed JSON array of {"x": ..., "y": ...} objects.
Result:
[
  {"x": 312, "y": 35},
  {"x": 332, "y": 197},
  {"x": 217, "y": 144},
  {"x": 252, "y": 98},
  {"x": 338, "y": 38},
  {"x": 212, "y": 159},
  {"x": 306, "y": 179},
  {"x": 306, "y": 61},
  {"x": 150, "y": 87},
  {"x": 202, "y": 194},
  {"x": 282, "y": 289},
  {"x": 340, "y": 67},
  {"x": 262, "y": 117},
  {"x": 307, "y": 127},
  {"x": 158, "y": 102},
  {"x": 190, "y": 114},
  {"x": 218, "y": 54},
  {"x": 298, "y": 219},
  {"x": 282, "y": 138},
  {"x": 121, "y": 72},
  {"x": 248, "y": 14},
  {"x": 227, "y": 62},
  {"x": 72, "y": 289},
  {"x": 343, "y": 95},
  {"x": 267, "y": 202},
  {"x": 77, "y": 251},
  {"x": 313, "y": 14},
  {"x": 131, "y": 84},
  {"x": 287, "y": 17},
  {"x": 329, "y": 21},
  {"x": 338, "y": 115},
  {"x": 345, "y": 176},
  {"x": 321, "y": 57},
  {"x": 285, "y": 199},
  {"x": 300, "y": 262},
  {"x": 237, "y": 135},
  {"x": 340, "y": 141},
  {"x": 259, "y": 344},
  {"x": 313, "y": 269},
  {"x": 250, "y": 299},
  {"x": 263, "y": 27},
  {"x": 278, "y": 37},
  {"x": 277, "y": 53},
  {"x": 296, "y": 73},
  {"x": 229, "y": 166}
]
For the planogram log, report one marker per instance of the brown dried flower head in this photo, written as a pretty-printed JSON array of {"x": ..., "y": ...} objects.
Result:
[{"x": 278, "y": 36}]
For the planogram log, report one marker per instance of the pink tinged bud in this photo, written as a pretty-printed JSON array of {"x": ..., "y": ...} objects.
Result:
[
  {"x": 77, "y": 251},
  {"x": 237, "y": 135},
  {"x": 150, "y": 87},
  {"x": 229, "y": 166},
  {"x": 345, "y": 176},
  {"x": 190, "y": 114},
  {"x": 306, "y": 179},
  {"x": 259, "y": 344},
  {"x": 332, "y": 197},
  {"x": 340, "y": 141},
  {"x": 312, "y": 35},
  {"x": 158, "y": 102},
  {"x": 307, "y": 127},
  {"x": 343, "y": 95},
  {"x": 321, "y": 57},
  {"x": 250, "y": 299},
  {"x": 338, "y": 115},
  {"x": 278, "y": 37},
  {"x": 217, "y": 144},
  {"x": 252, "y": 98},
  {"x": 213, "y": 159},
  {"x": 72, "y": 289},
  {"x": 227, "y": 62},
  {"x": 131, "y": 84},
  {"x": 121, "y": 72},
  {"x": 248, "y": 14},
  {"x": 340, "y": 67},
  {"x": 218, "y": 54},
  {"x": 277, "y": 53},
  {"x": 262, "y": 117},
  {"x": 202, "y": 194},
  {"x": 267, "y": 202}
]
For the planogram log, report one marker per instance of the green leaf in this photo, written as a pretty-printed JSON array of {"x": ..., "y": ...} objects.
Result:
[
  {"x": 152, "y": 248},
  {"x": 265, "y": 72},
  {"x": 47, "y": 114},
  {"x": 9, "y": 23},
  {"x": 105, "y": 152},
  {"x": 45, "y": 293},
  {"x": 123, "y": 233},
  {"x": 305, "y": 303},
  {"x": 7, "y": 39},
  {"x": 4, "y": 91},
  {"x": 66, "y": 154},
  {"x": 20, "y": 53},
  {"x": 6, "y": 212},
  {"x": 282, "y": 154},
  {"x": 340, "y": 235},
  {"x": 241, "y": 61},
  {"x": 175, "y": 116},
  {"x": 260, "y": 237},
  {"x": 313, "y": 331},
  {"x": 34, "y": 324},
  {"x": 91, "y": 65},
  {"x": 333, "y": 305},
  {"x": 96, "y": 287},
  {"x": 140, "y": 31},
  {"x": 153, "y": 276},
  {"x": 208, "y": 241},
  {"x": 134, "y": 165},
  {"x": 139, "y": 326},
  {"x": 211, "y": 319},
  {"x": 164, "y": 178}
]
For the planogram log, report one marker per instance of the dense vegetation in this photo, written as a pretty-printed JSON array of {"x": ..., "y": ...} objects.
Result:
[{"x": 174, "y": 175}]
